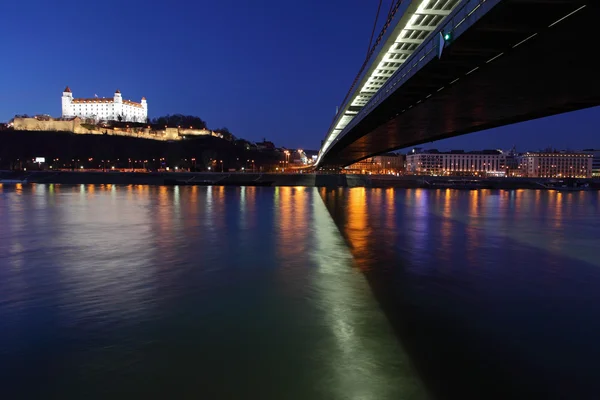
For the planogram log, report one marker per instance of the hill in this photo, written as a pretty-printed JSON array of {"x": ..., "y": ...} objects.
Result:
[{"x": 198, "y": 153}]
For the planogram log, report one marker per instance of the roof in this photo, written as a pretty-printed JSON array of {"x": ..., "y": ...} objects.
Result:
[
  {"x": 458, "y": 152},
  {"x": 118, "y": 91},
  {"x": 67, "y": 90},
  {"x": 561, "y": 154},
  {"x": 94, "y": 100},
  {"x": 106, "y": 100},
  {"x": 132, "y": 103},
  {"x": 143, "y": 98}
]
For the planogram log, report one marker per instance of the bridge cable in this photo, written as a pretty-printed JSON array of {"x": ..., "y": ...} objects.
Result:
[
  {"x": 374, "y": 27},
  {"x": 393, "y": 10},
  {"x": 390, "y": 11}
]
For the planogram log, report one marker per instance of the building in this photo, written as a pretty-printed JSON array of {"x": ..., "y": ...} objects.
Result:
[
  {"x": 104, "y": 108},
  {"x": 265, "y": 145},
  {"x": 595, "y": 161},
  {"x": 456, "y": 163},
  {"x": 298, "y": 157},
  {"x": 312, "y": 155},
  {"x": 389, "y": 163},
  {"x": 512, "y": 161},
  {"x": 556, "y": 165}
]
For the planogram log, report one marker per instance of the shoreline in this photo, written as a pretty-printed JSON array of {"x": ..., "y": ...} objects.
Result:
[{"x": 269, "y": 179}]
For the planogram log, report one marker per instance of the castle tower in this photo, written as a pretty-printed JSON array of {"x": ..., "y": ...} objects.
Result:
[
  {"x": 67, "y": 99},
  {"x": 145, "y": 106},
  {"x": 118, "y": 104}
]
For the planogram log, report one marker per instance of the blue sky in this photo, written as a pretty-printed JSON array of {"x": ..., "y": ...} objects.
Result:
[{"x": 265, "y": 68}]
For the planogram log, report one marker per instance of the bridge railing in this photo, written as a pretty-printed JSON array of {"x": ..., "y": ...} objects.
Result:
[
  {"x": 463, "y": 16},
  {"x": 394, "y": 16}
]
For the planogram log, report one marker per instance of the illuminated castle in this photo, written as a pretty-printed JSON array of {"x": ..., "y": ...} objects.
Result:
[{"x": 104, "y": 108}]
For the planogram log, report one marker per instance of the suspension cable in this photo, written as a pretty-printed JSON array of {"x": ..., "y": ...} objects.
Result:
[
  {"x": 393, "y": 10},
  {"x": 374, "y": 27}
]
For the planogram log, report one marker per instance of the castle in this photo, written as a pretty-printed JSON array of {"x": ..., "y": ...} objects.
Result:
[{"x": 104, "y": 108}]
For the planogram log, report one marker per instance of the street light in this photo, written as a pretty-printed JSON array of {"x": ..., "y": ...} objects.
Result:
[{"x": 287, "y": 156}]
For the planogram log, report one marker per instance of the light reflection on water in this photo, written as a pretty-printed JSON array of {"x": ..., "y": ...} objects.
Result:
[
  {"x": 184, "y": 292},
  {"x": 297, "y": 293},
  {"x": 493, "y": 293}
]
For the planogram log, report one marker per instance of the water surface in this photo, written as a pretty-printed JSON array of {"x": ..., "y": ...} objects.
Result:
[
  {"x": 191, "y": 292},
  {"x": 297, "y": 293}
]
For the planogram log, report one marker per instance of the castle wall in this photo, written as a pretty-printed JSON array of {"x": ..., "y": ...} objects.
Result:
[
  {"x": 75, "y": 126},
  {"x": 33, "y": 124},
  {"x": 141, "y": 133},
  {"x": 194, "y": 132},
  {"x": 172, "y": 133}
]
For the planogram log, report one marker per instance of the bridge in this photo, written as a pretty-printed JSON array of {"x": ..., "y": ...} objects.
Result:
[{"x": 443, "y": 68}]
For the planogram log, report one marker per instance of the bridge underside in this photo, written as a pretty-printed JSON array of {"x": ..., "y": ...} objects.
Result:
[{"x": 553, "y": 72}]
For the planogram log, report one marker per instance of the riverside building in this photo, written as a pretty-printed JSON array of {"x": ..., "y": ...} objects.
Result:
[
  {"x": 456, "y": 163},
  {"x": 556, "y": 165},
  {"x": 595, "y": 161},
  {"x": 390, "y": 163},
  {"x": 104, "y": 108}
]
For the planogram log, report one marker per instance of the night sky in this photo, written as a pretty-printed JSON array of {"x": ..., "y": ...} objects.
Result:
[{"x": 264, "y": 69}]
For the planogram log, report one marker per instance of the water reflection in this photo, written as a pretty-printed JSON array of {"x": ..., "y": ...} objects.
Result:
[
  {"x": 284, "y": 212},
  {"x": 473, "y": 229},
  {"x": 362, "y": 335},
  {"x": 476, "y": 279},
  {"x": 187, "y": 287},
  {"x": 418, "y": 199},
  {"x": 356, "y": 227},
  {"x": 172, "y": 286},
  {"x": 446, "y": 228}
]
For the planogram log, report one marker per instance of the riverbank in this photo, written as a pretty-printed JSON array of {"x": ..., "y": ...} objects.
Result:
[
  {"x": 256, "y": 179},
  {"x": 186, "y": 178}
]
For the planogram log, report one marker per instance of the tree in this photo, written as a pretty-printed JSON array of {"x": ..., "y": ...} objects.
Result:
[
  {"x": 180, "y": 120},
  {"x": 242, "y": 143},
  {"x": 120, "y": 118},
  {"x": 227, "y": 135}
]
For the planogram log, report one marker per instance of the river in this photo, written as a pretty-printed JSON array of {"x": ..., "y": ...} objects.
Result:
[{"x": 297, "y": 293}]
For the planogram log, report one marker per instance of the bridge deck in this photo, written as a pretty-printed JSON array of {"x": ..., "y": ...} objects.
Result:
[{"x": 488, "y": 77}]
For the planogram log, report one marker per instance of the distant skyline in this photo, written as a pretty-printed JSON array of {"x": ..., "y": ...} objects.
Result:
[{"x": 263, "y": 69}]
